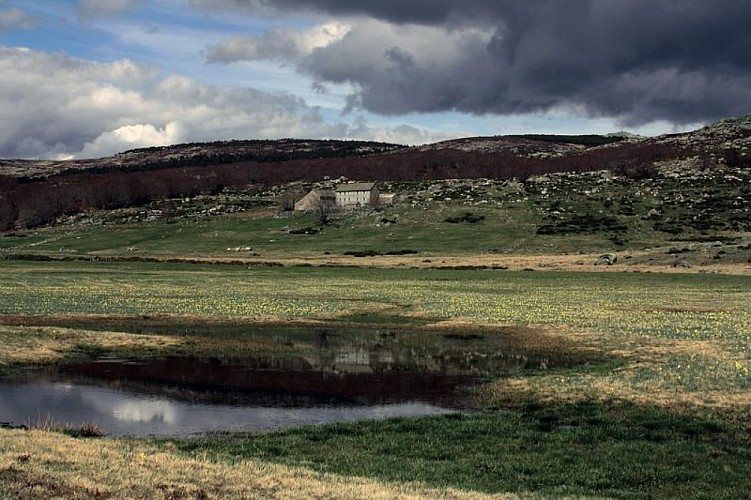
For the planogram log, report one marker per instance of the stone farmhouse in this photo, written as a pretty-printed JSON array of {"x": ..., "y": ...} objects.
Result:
[
  {"x": 348, "y": 195},
  {"x": 357, "y": 194}
]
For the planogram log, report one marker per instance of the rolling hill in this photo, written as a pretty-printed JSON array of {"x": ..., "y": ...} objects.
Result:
[{"x": 34, "y": 193}]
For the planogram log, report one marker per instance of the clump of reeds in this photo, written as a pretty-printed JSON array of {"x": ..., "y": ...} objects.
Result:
[{"x": 83, "y": 430}]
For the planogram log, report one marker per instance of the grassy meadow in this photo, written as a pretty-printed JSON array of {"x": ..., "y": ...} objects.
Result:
[
  {"x": 561, "y": 213},
  {"x": 257, "y": 234},
  {"x": 660, "y": 407}
]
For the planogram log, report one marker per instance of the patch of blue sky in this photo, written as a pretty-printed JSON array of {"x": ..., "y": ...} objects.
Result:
[
  {"x": 161, "y": 35},
  {"x": 176, "y": 13},
  {"x": 45, "y": 8},
  {"x": 55, "y": 29},
  {"x": 458, "y": 124},
  {"x": 174, "y": 28},
  {"x": 166, "y": 34},
  {"x": 163, "y": 45}
]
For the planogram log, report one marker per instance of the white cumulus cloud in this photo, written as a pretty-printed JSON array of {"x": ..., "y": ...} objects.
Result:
[
  {"x": 131, "y": 137},
  {"x": 79, "y": 108},
  {"x": 284, "y": 44}
]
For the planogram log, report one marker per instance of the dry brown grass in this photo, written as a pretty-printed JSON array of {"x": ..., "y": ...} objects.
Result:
[
  {"x": 643, "y": 376},
  {"x": 640, "y": 262},
  {"x": 733, "y": 406},
  {"x": 38, "y": 345},
  {"x": 541, "y": 262},
  {"x": 37, "y": 464}
]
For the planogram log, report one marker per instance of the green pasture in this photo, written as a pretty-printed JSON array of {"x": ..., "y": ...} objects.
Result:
[
  {"x": 678, "y": 306},
  {"x": 556, "y": 214},
  {"x": 546, "y": 451},
  {"x": 507, "y": 229},
  {"x": 665, "y": 413}
]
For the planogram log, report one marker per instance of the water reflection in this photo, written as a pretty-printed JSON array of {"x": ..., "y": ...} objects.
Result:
[
  {"x": 336, "y": 378},
  {"x": 121, "y": 413}
]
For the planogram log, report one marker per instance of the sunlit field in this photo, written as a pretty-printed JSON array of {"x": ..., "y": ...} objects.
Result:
[
  {"x": 687, "y": 307},
  {"x": 674, "y": 349},
  {"x": 689, "y": 333}
]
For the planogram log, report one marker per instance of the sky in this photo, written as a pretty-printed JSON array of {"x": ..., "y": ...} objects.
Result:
[{"x": 91, "y": 78}]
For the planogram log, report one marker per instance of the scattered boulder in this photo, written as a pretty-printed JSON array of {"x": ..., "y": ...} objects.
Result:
[
  {"x": 652, "y": 215},
  {"x": 682, "y": 263},
  {"x": 607, "y": 259}
]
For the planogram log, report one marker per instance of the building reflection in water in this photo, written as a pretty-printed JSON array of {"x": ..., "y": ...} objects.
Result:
[{"x": 335, "y": 377}]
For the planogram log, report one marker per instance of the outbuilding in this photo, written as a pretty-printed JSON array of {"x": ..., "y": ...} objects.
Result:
[{"x": 316, "y": 199}]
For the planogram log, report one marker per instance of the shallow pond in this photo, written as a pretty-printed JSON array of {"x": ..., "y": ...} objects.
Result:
[{"x": 323, "y": 378}]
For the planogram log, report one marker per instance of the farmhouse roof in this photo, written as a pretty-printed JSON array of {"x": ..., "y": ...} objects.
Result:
[
  {"x": 355, "y": 186},
  {"x": 323, "y": 193}
]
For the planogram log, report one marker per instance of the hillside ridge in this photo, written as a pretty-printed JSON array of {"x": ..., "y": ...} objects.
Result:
[
  {"x": 731, "y": 133},
  {"x": 38, "y": 192}
]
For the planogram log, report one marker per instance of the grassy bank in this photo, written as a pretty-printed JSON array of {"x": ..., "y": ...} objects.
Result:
[
  {"x": 613, "y": 450},
  {"x": 666, "y": 414},
  {"x": 35, "y": 464}
]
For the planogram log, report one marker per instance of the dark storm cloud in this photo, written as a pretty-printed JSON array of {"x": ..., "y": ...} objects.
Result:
[{"x": 638, "y": 61}]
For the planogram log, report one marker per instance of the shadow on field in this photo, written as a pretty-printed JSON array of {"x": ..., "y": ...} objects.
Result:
[{"x": 223, "y": 337}]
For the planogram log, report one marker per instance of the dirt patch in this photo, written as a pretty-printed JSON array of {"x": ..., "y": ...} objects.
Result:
[
  {"x": 633, "y": 262},
  {"x": 498, "y": 262}
]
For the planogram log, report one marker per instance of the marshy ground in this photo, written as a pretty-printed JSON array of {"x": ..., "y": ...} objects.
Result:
[{"x": 654, "y": 401}]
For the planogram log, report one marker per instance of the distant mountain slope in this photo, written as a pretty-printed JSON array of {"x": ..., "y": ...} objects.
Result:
[
  {"x": 35, "y": 192},
  {"x": 531, "y": 145},
  {"x": 712, "y": 139},
  {"x": 199, "y": 154}
]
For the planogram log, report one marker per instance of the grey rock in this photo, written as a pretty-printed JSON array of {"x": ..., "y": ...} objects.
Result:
[
  {"x": 607, "y": 259},
  {"x": 652, "y": 214}
]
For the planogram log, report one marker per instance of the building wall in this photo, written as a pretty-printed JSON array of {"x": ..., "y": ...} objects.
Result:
[
  {"x": 308, "y": 202},
  {"x": 385, "y": 200},
  {"x": 353, "y": 198},
  {"x": 315, "y": 199},
  {"x": 374, "y": 196}
]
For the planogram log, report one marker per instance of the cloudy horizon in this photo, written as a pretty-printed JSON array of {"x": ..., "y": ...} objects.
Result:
[{"x": 90, "y": 78}]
